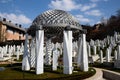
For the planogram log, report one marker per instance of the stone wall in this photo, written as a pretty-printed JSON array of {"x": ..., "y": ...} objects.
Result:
[{"x": 110, "y": 75}]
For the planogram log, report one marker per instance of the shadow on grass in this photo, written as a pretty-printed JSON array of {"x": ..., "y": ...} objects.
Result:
[
  {"x": 19, "y": 69},
  {"x": 76, "y": 75},
  {"x": 49, "y": 69}
]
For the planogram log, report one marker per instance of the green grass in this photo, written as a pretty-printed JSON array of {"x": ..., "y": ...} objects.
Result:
[{"x": 14, "y": 72}]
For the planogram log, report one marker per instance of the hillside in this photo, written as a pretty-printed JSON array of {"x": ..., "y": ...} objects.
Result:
[{"x": 100, "y": 31}]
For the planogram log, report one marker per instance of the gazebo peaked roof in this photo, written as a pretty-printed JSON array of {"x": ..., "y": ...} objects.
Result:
[{"x": 54, "y": 22}]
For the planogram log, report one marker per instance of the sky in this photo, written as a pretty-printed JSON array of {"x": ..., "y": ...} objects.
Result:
[{"x": 86, "y": 11}]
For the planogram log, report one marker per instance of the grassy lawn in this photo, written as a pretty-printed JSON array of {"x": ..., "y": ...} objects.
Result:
[{"x": 14, "y": 72}]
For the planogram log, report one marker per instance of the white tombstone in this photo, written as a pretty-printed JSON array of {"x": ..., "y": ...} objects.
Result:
[
  {"x": 115, "y": 55},
  {"x": 67, "y": 52},
  {"x": 84, "y": 56},
  {"x": 6, "y": 49},
  {"x": 101, "y": 56},
  {"x": 21, "y": 49},
  {"x": 75, "y": 51},
  {"x": 111, "y": 40},
  {"x": 79, "y": 60},
  {"x": 107, "y": 55},
  {"x": 92, "y": 42},
  {"x": 9, "y": 51},
  {"x": 25, "y": 61},
  {"x": 17, "y": 53},
  {"x": 117, "y": 62},
  {"x": 105, "y": 44},
  {"x": 89, "y": 50},
  {"x": 55, "y": 58},
  {"x": 52, "y": 46},
  {"x": 1, "y": 52},
  {"x": 98, "y": 42},
  {"x": 110, "y": 51},
  {"x": 115, "y": 36},
  {"x": 108, "y": 39},
  {"x": 118, "y": 52},
  {"x": 14, "y": 49},
  {"x": 102, "y": 46},
  {"x": 39, "y": 51},
  {"x": 61, "y": 48},
  {"x": 94, "y": 49}
]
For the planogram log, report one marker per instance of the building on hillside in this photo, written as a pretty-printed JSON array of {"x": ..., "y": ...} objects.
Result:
[{"x": 10, "y": 31}]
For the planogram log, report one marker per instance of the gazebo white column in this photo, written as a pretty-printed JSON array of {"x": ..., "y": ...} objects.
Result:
[
  {"x": 84, "y": 55},
  {"x": 25, "y": 61},
  {"x": 67, "y": 51},
  {"x": 39, "y": 50}
]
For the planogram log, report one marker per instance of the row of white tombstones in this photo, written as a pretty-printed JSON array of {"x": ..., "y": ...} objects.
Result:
[{"x": 9, "y": 50}]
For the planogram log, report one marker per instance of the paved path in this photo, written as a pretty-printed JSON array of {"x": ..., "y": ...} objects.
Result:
[{"x": 97, "y": 76}]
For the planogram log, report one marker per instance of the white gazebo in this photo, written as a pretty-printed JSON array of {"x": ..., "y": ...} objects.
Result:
[{"x": 56, "y": 26}]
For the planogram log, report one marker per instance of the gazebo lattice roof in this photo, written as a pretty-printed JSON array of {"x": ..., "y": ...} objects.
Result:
[{"x": 54, "y": 22}]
